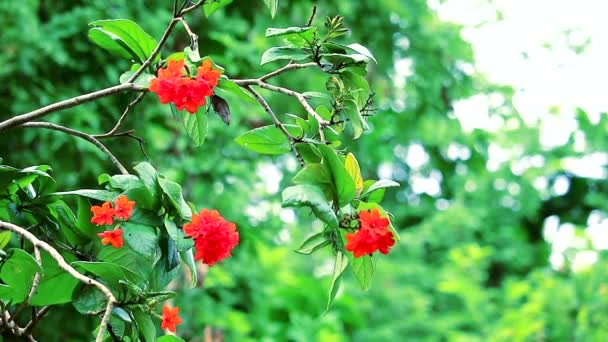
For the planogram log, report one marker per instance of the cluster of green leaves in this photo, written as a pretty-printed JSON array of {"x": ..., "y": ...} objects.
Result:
[{"x": 154, "y": 252}]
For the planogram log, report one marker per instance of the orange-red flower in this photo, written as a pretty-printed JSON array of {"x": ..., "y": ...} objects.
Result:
[
  {"x": 373, "y": 235},
  {"x": 170, "y": 318},
  {"x": 113, "y": 237},
  {"x": 103, "y": 214},
  {"x": 123, "y": 208},
  {"x": 214, "y": 237},
  {"x": 185, "y": 92},
  {"x": 208, "y": 74}
]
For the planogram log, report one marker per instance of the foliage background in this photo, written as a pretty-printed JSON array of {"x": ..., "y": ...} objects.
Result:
[{"x": 473, "y": 262}]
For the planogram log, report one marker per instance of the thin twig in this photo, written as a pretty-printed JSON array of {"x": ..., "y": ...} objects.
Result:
[
  {"x": 29, "y": 328},
  {"x": 193, "y": 36},
  {"x": 74, "y": 101},
  {"x": 288, "y": 67},
  {"x": 82, "y": 135},
  {"x": 277, "y": 123},
  {"x": 130, "y": 134},
  {"x": 301, "y": 98},
  {"x": 68, "y": 268},
  {"x": 192, "y": 8},
  {"x": 312, "y": 16},
  {"x": 122, "y": 117},
  {"x": 155, "y": 52}
]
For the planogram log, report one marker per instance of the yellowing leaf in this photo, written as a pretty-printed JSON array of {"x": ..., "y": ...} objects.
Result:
[{"x": 352, "y": 166}]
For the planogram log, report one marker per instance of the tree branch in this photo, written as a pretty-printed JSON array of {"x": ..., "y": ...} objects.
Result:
[
  {"x": 82, "y": 135},
  {"x": 66, "y": 267},
  {"x": 300, "y": 97},
  {"x": 290, "y": 66},
  {"x": 74, "y": 101},
  {"x": 277, "y": 123}
]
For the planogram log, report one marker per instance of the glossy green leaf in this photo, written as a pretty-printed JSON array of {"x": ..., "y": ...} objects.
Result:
[
  {"x": 142, "y": 80},
  {"x": 268, "y": 139},
  {"x": 145, "y": 325},
  {"x": 315, "y": 174},
  {"x": 362, "y": 50},
  {"x": 169, "y": 338},
  {"x": 56, "y": 285},
  {"x": 17, "y": 272},
  {"x": 195, "y": 124},
  {"x": 149, "y": 177},
  {"x": 101, "y": 195},
  {"x": 188, "y": 259},
  {"x": 226, "y": 86},
  {"x": 313, "y": 243},
  {"x": 313, "y": 197},
  {"x": 363, "y": 268},
  {"x": 129, "y": 33},
  {"x": 90, "y": 300},
  {"x": 343, "y": 183},
  {"x": 283, "y": 53},
  {"x": 5, "y": 238},
  {"x": 339, "y": 267},
  {"x": 356, "y": 120},
  {"x": 177, "y": 235},
  {"x": 383, "y": 183},
  {"x": 173, "y": 192},
  {"x": 111, "y": 273},
  {"x": 141, "y": 238},
  {"x": 276, "y": 32}
]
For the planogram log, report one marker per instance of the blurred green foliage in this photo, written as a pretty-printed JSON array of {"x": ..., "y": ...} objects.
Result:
[{"x": 473, "y": 262}]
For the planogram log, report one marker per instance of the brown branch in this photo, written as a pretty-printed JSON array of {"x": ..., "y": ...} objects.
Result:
[
  {"x": 277, "y": 123},
  {"x": 129, "y": 134},
  {"x": 290, "y": 66},
  {"x": 85, "y": 136},
  {"x": 68, "y": 268},
  {"x": 300, "y": 97},
  {"x": 75, "y": 101}
]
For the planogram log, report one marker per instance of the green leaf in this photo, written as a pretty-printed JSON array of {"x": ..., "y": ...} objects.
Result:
[
  {"x": 101, "y": 195},
  {"x": 313, "y": 243},
  {"x": 362, "y": 50},
  {"x": 127, "y": 259},
  {"x": 352, "y": 166},
  {"x": 213, "y": 6},
  {"x": 268, "y": 139},
  {"x": 107, "y": 42},
  {"x": 132, "y": 35},
  {"x": 283, "y": 53},
  {"x": 195, "y": 124},
  {"x": 363, "y": 268},
  {"x": 275, "y": 32},
  {"x": 357, "y": 85},
  {"x": 311, "y": 196},
  {"x": 121, "y": 313},
  {"x": 142, "y": 80},
  {"x": 343, "y": 182},
  {"x": 141, "y": 238},
  {"x": 18, "y": 271},
  {"x": 272, "y": 6},
  {"x": 228, "y": 86},
  {"x": 356, "y": 120},
  {"x": 5, "y": 238},
  {"x": 84, "y": 216},
  {"x": 181, "y": 242},
  {"x": 188, "y": 258},
  {"x": 339, "y": 267},
  {"x": 383, "y": 183},
  {"x": 110, "y": 272},
  {"x": 67, "y": 220},
  {"x": 173, "y": 191},
  {"x": 315, "y": 174},
  {"x": 145, "y": 325},
  {"x": 90, "y": 301},
  {"x": 148, "y": 175},
  {"x": 56, "y": 285}
]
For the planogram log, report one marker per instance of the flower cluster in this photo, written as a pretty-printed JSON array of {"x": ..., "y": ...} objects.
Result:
[
  {"x": 213, "y": 236},
  {"x": 170, "y": 318},
  {"x": 373, "y": 235},
  {"x": 172, "y": 85},
  {"x": 105, "y": 215}
]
